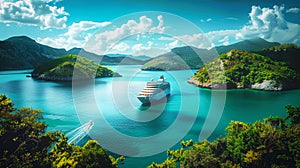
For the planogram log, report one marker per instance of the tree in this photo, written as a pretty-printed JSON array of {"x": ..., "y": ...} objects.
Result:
[
  {"x": 273, "y": 143},
  {"x": 24, "y": 142},
  {"x": 90, "y": 155},
  {"x": 22, "y": 136},
  {"x": 293, "y": 114}
]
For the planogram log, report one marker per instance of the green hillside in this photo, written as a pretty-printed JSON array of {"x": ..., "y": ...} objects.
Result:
[
  {"x": 193, "y": 58},
  {"x": 180, "y": 58},
  {"x": 289, "y": 53},
  {"x": 241, "y": 69},
  {"x": 255, "y": 44},
  {"x": 62, "y": 69}
]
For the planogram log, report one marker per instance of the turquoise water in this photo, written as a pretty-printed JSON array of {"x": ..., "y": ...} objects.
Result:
[{"x": 122, "y": 124}]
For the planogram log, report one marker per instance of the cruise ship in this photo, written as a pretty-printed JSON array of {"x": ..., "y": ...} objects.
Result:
[{"x": 154, "y": 91}]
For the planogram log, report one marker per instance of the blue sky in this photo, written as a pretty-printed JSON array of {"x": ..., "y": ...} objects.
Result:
[{"x": 127, "y": 26}]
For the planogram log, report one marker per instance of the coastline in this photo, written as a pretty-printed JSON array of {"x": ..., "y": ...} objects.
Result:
[
  {"x": 266, "y": 85},
  {"x": 67, "y": 79}
]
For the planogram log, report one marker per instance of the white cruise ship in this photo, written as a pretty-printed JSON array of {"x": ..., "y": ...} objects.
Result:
[{"x": 154, "y": 91}]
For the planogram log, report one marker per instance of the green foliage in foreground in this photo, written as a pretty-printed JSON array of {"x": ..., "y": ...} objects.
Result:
[
  {"x": 270, "y": 144},
  {"x": 66, "y": 65},
  {"x": 243, "y": 69},
  {"x": 24, "y": 143}
]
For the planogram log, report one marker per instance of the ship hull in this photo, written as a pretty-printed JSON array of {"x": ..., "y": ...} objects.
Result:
[{"x": 148, "y": 100}]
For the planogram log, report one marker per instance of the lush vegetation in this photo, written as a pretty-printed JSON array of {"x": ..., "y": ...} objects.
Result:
[
  {"x": 272, "y": 143},
  {"x": 241, "y": 69},
  {"x": 63, "y": 68},
  {"x": 288, "y": 53},
  {"x": 25, "y": 143}
]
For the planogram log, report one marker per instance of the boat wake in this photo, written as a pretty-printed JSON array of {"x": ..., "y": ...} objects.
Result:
[{"x": 79, "y": 133}]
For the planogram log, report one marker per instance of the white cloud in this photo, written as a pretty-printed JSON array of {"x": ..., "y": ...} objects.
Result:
[
  {"x": 77, "y": 30},
  {"x": 293, "y": 10},
  {"x": 41, "y": 13},
  {"x": 121, "y": 47},
  {"x": 163, "y": 38},
  {"x": 270, "y": 24},
  {"x": 77, "y": 35},
  {"x": 267, "y": 23},
  {"x": 225, "y": 40},
  {"x": 173, "y": 44},
  {"x": 232, "y": 18},
  {"x": 106, "y": 39},
  {"x": 148, "y": 49},
  {"x": 140, "y": 47}
]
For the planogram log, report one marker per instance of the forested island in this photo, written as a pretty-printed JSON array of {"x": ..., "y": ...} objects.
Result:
[
  {"x": 243, "y": 69},
  {"x": 63, "y": 68}
]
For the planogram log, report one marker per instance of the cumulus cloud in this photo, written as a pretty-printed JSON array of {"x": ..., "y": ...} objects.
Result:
[
  {"x": 164, "y": 38},
  {"x": 293, "y": 10},
  {"x": 173, "y": 44},
  {"x": 76, "y": 36},
  {"x": 106, "y": 39},
  {"x": 147, "y": 49},
  {"x": 41, "y": 13},
  {"x": 267, "y": 23},
  {"x": 121, "y": 47},
  {"x": 270, "y": 24}
]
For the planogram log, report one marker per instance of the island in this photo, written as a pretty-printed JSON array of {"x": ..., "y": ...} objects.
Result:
[
  {"x": 62, "y": 69},
  {"x": 243, "y": 69}
]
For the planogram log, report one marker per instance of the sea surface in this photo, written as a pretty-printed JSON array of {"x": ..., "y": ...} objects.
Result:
[{"x": 123, "y": 126}]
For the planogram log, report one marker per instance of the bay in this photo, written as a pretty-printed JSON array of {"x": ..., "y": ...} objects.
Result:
[{"x": 182, "y": 116}]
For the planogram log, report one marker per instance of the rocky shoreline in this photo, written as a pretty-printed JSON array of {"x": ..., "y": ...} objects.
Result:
[
  {"x": 266, "y": 85},
  {"x": 66, "y": 79}
]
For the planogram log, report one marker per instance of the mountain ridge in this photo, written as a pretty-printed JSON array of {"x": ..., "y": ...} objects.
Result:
[
  {"x": 189, "y": 57},
  {"x": 22, "y": 52}
]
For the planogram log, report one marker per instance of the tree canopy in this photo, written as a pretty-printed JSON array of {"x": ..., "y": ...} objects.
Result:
[
  {"x": 241, "y": 69},
  {"x": 65, "y": 67},
  {"x": 272, "y": 143},
  {"x": 24, "y": 142}
]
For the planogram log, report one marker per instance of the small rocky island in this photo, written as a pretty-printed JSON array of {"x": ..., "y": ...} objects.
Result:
[
  {"x": 62, "y": 69},
  {"x": 243, "y": 69}
]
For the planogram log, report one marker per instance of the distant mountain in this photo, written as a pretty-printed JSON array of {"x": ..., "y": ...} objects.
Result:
[
  {"x": 62, "y": 68},
  {"x": 193, "y": 58},
  {"x": 140, "y": 57},
  {"x": 109, "y": 59},
  {"x": 255, "y": 44},
  {"x": 179, "y": 58},
  {"x": 23, "y": 53}
]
